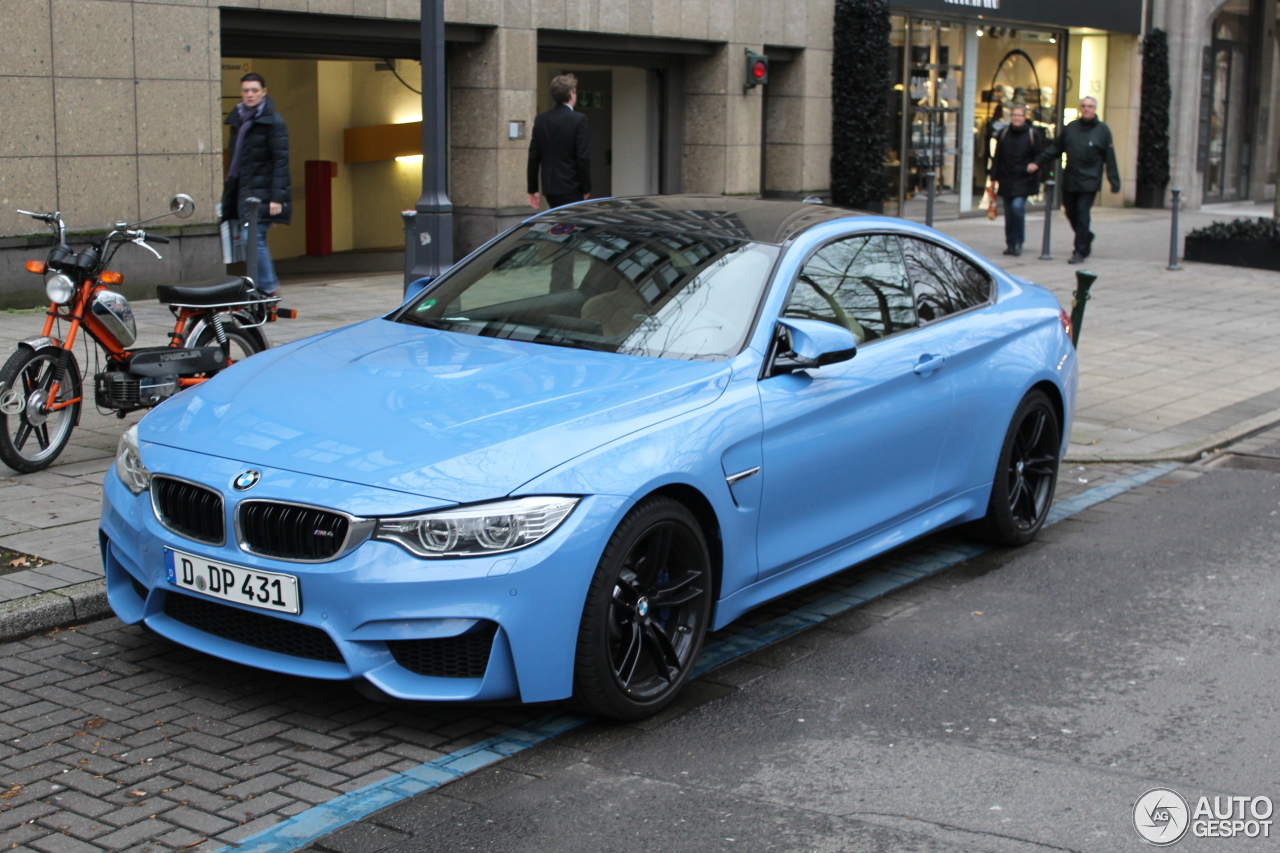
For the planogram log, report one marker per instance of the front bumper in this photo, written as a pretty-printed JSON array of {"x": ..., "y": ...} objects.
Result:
[{"x": 530, "y": 601}]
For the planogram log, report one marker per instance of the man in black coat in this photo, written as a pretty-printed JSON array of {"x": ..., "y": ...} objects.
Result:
[
  {"x": 259, "y": 168},
  {"x": 560, "y": 147},
  {"x": 1089, "y": 148}
]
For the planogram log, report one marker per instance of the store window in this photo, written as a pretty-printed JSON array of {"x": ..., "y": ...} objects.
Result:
[{"x": 1015, "y": 66}]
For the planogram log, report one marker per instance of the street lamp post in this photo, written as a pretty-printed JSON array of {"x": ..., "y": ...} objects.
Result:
[{"x": 429, "y": 232}]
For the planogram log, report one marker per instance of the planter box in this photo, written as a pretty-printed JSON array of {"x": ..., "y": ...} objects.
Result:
[
  {"x": 1149, "y": 197},
  {"x": 1259, "y": 254}
]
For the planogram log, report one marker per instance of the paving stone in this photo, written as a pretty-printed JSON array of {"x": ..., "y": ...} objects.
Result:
[
  {"x": 128, "y": 836},
  {"x": 197, "y": 821},
  {"x": 77, "y": 826},
  {"x": 308, "y": 792},
  {"x": 23, "y": 814},
  {"x": 253, "y": 827},
  {"x": 20, "y": 835},
  {"x": 56, "y": 842}
]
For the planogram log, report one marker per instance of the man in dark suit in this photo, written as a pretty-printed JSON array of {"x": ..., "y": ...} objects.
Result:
[{"x": 561, "y": 148}]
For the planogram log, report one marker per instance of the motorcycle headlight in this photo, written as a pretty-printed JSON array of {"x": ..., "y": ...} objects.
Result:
[
  {"x": 129, "y": 467},
  {"x": 59, "y": 287},
  {"x": 473, "y": 531}
]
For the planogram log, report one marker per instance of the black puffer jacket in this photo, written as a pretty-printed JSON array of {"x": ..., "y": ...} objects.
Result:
[
  {"x": 264, "y": 165},
  {"x": 1016, "y": 147}
]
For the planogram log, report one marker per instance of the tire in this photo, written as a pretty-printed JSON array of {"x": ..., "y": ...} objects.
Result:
[
  {"x": 32, "y": 371},
  {"x": 646, "y": 613},
  {"x": 1026, "y": 474},
  {"x": 244, "y": 342}
]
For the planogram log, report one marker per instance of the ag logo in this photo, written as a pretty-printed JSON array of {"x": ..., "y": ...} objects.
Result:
[
  {"x": 245, "y": 480},
  {"x": 1161, "y": 816}
]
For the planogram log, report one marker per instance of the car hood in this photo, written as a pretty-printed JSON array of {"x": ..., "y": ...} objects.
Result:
[{"x": 448, "y": 416}]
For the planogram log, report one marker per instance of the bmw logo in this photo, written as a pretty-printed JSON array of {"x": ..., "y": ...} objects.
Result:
[
  {"x": 642, "y": 607},
  {"x": 245, "y": 480}
]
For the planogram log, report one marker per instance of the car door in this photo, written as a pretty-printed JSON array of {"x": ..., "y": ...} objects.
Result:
[
  {"x": 851, "y": 447},
  {"x": 954, "y": 297}
]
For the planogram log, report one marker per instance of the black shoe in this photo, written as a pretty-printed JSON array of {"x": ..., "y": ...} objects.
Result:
[
  {"x": 1017, "y": 248},
  {"x": 1076, "y": 258},
  {"x": 1008, "y": 250}
]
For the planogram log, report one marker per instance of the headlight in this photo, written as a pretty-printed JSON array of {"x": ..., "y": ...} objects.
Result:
[
  {"x": 129, "y": 467},
  {"x": 60, "y": 288},
  {"x": 474, "y": 531}
]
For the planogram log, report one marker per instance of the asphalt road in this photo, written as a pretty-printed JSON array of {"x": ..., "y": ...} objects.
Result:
[{"x": 1020, "y": 702}]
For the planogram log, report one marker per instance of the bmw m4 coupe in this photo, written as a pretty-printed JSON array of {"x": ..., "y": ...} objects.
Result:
[{"x": 615, "y": 427}]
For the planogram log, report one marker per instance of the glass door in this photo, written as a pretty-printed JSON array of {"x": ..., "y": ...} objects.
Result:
[
  {"x": 931, "y": 118},
  {"x": 1224, "y": 179}
]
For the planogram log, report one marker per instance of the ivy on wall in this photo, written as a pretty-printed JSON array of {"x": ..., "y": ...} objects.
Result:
[
  {"x": 860, "y": 88},
  {"x": 1153, "y": 120}
]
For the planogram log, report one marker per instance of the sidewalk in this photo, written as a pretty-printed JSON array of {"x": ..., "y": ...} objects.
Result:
[{"x": 1172, "y": 364}]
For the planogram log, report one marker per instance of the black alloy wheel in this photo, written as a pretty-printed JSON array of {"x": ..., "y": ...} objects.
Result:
[
  {"x": 646, "y": 613},
  {"x": 1026, "y": 473}
]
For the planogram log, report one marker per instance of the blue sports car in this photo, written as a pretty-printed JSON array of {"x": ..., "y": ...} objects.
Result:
[{"x": 613, "y": 428}]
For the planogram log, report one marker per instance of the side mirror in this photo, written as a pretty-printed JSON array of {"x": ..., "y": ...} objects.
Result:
[
  {"x": 808, "y": 344},
  {"x": 182, "y": 205}
]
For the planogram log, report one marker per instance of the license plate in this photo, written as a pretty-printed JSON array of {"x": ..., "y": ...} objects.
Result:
[{"x": 250, "y": 587}]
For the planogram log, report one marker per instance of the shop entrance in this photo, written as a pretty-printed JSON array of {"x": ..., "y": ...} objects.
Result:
[{"x": 1226, "y": 169}]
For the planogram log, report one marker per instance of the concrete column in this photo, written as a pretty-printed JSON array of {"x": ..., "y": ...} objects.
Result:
[
  {"x": 491, "y": 84},
  {"x": 1124, "y": 97},
  {"x": 721, "y": 125},
  {"x": 798, "y": 126}
]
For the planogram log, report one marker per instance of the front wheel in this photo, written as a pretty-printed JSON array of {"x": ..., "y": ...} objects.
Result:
[
  {"x": 646, "y": 613},
  {"x": 244, "y": 342},
  {"x": 1025, "y": 474},
  {"x": 33, "y": 435}
]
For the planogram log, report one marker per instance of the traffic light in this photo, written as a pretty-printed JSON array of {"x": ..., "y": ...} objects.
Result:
[{"x": 757, "y": 69}]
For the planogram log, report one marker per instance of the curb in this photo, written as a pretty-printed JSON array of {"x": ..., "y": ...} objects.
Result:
[
  {"x": 35, "y": 614},
  {"x": 1190, "y": 451}
]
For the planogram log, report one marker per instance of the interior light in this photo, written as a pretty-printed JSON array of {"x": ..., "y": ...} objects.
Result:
[
  {"x": 408, "y": 119},
  {"x": 979, "y": 33},
  {"x": 1053, "y": 40},
  {"x": 410, "y": 158}
]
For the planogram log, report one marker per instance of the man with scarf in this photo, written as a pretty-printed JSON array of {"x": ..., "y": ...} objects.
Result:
[
  {"x": 259, "y": 168},
  {"x": 1016, "y": 147},
  {"x": 1088, "y": 146}
]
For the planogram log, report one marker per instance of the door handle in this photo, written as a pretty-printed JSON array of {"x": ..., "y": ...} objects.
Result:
[{"x": 929, "y": 363}]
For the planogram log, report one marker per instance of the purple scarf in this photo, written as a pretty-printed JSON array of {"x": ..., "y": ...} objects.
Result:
[{"x": 233, "y": 171}]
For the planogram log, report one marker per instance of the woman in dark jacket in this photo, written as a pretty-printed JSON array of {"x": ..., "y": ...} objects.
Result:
[
  {"x": 1016, "y": 148},
  {"x": 259, "y": 168}
]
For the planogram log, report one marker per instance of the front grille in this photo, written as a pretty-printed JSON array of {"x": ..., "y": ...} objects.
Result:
[
  {"x": 291, "y": 532},
  {"x": 463, "y": 656},
  {"x": 252, "y": 629},
  {"x": 188, "y": 510}
]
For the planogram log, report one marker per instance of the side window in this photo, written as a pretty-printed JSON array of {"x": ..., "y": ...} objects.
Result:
[
  {"x": 858, "y": 283},
  {"x": 944, "y": 282}
]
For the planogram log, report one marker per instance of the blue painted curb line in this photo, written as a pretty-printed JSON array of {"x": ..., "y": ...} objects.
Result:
[{"x": 319, "y": 821}]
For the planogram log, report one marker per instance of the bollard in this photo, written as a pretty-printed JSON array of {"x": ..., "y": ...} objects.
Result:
[
  {"x": 251, "y": 241},
  {"x": 1048, "y": 217},
  {"x": 929, "y": 190},
  {"x": 409, "y": 259},
  {"x": 1084, "y": 281},
  {"x": 1173, "y": 233}
]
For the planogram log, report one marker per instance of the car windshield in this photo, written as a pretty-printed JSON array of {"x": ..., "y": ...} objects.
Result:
[{"x": 652, "y": 292}]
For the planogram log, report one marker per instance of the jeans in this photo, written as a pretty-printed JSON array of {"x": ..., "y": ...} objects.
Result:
[
  {"x": 1077, "y": 205},
  {"x": 267, "y": 281},
  {"x": 1015, "y": 220}
]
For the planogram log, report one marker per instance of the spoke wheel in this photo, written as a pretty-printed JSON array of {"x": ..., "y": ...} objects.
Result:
[
  {"x": 32, "y": 436},
  {"x": 646, "y": 613},
  {"x": 1026, "y": 473},
  {"x": 244, "y": 342}
]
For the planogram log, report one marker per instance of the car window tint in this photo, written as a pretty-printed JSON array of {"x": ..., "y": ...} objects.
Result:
[
  {"x": 944, "y": 282},
  {"x": 858, "y": 283}
]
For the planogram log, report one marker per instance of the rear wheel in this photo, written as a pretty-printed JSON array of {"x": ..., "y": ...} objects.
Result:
[
  {"x": 32, "y": 436},
  {"x": 244, "y": 342},
  {"x": 1025, "y": 474},
  {"x": 646, "y": 613}
]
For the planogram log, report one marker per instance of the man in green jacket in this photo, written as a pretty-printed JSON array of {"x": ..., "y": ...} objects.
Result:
[{"x": 1088, "y": 146}]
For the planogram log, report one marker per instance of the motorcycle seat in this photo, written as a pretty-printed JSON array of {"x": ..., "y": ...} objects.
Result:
[{"x": 214, "y": 291}]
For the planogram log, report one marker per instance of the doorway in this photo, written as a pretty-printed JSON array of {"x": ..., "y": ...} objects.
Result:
[{"x": 1226, "y": 172}]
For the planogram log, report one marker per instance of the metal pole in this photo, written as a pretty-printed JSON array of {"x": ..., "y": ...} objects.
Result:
[
  {"x": 928, "y": 206},
  {"x": 432, "y": 232},
  {"x": 1173, "y": 233},
  {"x": 251, "y": 240},
  {"x": 1084, "y": 281},
  {"x": 1048, "y": 219}
]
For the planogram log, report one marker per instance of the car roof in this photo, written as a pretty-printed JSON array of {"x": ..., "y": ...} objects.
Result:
[{"x": 749, "y": 219}]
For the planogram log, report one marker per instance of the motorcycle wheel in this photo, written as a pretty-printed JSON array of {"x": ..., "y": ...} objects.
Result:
[
  {"x": 244, "y": 342},
  {"x": 32, "y": 438}
]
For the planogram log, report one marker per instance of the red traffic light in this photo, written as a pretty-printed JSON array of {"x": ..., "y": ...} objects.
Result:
[{"x": 757, "y": 69}]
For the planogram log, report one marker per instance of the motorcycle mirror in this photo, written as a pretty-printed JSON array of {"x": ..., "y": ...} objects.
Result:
[{"x": 182, "y": 205}]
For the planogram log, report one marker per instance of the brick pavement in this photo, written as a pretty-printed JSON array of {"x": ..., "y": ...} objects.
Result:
[{"x": 112, "y": 739}]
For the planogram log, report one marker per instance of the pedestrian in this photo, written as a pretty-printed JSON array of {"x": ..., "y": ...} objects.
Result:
[
  {"x": 259, "y": 168},
  {"x": 1016, "y": 148},
  {"x": 1089, "y": 148},
  {"x": 560, "y": 147}
]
